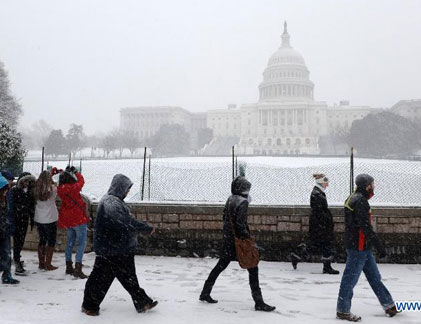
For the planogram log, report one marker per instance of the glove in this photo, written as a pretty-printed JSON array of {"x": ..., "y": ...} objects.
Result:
[
  {"x": 55, "y": 171},
  {"x": 74, "y": 170}
]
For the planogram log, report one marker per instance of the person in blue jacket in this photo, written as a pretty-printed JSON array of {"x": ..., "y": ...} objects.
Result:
[{"x": 115, "y": 245}]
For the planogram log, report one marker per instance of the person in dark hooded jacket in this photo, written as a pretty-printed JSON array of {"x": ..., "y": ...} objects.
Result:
[
  {"x": 235, "y": 224},
  {"x": 359, "y": 239},
  {"x": 115, "y": 245},
  {"x": 23, "y": 210}
]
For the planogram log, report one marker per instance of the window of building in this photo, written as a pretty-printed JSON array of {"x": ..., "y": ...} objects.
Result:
[
  {"x": 297, "y": 141},
  {"x": 307, "y": 141},
  {"x": 288, "y": 141},
  {"x": 269, "y": 141},
  {"x": 278, "y": 142},
  {"x": 275, "y": 118}
]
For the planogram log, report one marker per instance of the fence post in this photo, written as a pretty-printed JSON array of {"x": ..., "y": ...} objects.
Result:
[
  {"x": 42, "y": 159},
  {"x": 233, "y": 163},
  {"x": 149, "y": 178},
  {"x": 351, "y": 172},
  {"x": 236, "y": 166},
  {"x": 144, "y": 171},
  {"x": 80, "y": 165}
]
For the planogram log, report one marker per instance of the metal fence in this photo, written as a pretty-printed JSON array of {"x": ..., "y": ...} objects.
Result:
[{"x": 275, "y": 180}]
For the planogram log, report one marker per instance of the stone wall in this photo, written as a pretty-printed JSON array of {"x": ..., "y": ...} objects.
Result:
[{"x": 196, "y": 230}]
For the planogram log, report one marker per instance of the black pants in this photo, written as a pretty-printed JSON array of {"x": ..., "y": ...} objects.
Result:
[
  {"x": 21, "y": 227},
  {"x": 47, "y": 234},
  {"x": 326, "y": 249},
  {"x": 102, "y": 276},
  {"x": 222, "y": 264}
]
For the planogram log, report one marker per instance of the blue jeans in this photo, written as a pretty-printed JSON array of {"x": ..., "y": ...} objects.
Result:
[
  {"x": 357, "y": 262},
  {"x": 79, "y": 234},
  {"x": 5, "y": 255}
]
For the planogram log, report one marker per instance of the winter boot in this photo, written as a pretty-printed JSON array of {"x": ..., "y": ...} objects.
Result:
[
  {"x": 256, "y": 293},
  {"x": 262, "y": 306},
  {"x": 348, "y": 317},
  {"x": 327, "y": 268},
  {"x": 294, "y": 260},
  {"x": 41, "y": 257},
  {"x": 7, "y": 278},
  {"x": 69, "y": 268},
  {"x": 205, "y": 294},
  {"x": 147, "y": 306},
  {"x": 77, "y": 272},
  {"x": 49, "y": 251},
  {"x": 392, "y": 311},
  {"x": 19, "y": 270},
  {"x": 90, "y": 312}
]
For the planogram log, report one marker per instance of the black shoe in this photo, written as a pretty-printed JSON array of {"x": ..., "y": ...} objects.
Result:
[
  {"x": 8, "y": 279},
  {"x": 392, "y": 311},
  {"x": 264, "y": 307},
  {"x": 90, "y": 312},
  {"x": 294, "y": 260},
  {"x": 208, "y": 299},
  {"x": 19, "y": 270},
  {"x": 348, "y": 317},
  {"x": 327, "y": 268},
  {"x": 147, "y": 306}
]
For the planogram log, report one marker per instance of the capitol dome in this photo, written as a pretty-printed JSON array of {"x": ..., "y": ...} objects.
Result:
[{"x": 286, "y": 77}]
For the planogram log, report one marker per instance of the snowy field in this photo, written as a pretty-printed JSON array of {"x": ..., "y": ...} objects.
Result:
[
  {"x": 301, "y": 296},
  {"x": 275, "y": 180}
]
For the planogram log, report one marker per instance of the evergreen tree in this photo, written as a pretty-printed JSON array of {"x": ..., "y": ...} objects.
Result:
[
  {"x": 12, "y": 153},
  {"x": 384, "y": 134},
  {"x": 55, "y": 144}
]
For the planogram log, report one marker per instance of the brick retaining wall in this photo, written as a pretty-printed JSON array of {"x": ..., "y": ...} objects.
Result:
[{"x": 196, "y": 230}]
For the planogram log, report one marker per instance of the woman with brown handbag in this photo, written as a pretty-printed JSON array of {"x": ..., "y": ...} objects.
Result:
[{"x": 236, "y": 235}]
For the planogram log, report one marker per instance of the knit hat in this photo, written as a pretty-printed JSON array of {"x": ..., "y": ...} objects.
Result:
[
  {"x": 7, "y": 174},
  {"x": 363, "y": 180},
  {"x": 320, "y": 178},
  {"x": 3, "y": 182}
]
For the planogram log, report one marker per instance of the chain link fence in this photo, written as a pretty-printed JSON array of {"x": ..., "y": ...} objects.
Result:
[{"x": 275, "y": 180}]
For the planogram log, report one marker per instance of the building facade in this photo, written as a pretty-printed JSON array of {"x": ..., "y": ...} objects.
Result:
[{"x": 285, "y": 120}]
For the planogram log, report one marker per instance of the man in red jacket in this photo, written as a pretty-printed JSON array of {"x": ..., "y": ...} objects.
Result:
[{"x": 73, "y": 218}]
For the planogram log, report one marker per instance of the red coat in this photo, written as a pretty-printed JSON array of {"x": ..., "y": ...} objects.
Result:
[{"x": 73, "y": 208}]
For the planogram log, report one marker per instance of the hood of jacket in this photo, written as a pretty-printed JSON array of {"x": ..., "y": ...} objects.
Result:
[
  {"x": 240, "y": 186},
  {"x": 26, "y": 176},
  {"x": 119, "y": 186}
]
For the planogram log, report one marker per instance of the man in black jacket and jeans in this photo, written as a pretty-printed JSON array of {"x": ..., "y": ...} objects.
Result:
[
  {"x": 359, "y": 239},
  {"x": 115, "y": 245}
]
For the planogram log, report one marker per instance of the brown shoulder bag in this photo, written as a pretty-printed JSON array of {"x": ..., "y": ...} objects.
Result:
[{"x": 246, "y": 250}]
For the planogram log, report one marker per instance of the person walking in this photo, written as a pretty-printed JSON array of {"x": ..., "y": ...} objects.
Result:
[
  {"x": 23, "y": 210},
  {"x": 72, "y": 217},
  {"x": 46, "y": 216},
  {"x": 5, "y": 251},
  {"x": 321, "y": 227},
  {"x": 115, "y": 245},
  {"x": 359, "y": 239},
  {"x": 235, "y": 225}
]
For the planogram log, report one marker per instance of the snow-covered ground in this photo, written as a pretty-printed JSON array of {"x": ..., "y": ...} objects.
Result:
[
  {"x": 275, "y": 180},
  {"x": 301, "y": 296}
]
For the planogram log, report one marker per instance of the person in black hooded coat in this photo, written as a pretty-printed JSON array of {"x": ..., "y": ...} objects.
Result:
[
  {"x": 23, "y": 210},
  {"x": 236, "y": 225},
  {"x": 321, "y": 235},
  {"x": 115, "y": 245}
]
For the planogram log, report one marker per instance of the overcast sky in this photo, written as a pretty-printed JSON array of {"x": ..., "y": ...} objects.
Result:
[{"x": 82, "y": 60}]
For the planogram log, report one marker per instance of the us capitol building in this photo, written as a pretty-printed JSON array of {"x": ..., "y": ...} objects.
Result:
[{"x": 285, "y": 120}]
